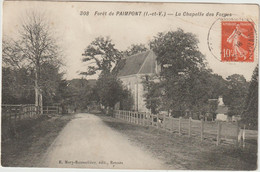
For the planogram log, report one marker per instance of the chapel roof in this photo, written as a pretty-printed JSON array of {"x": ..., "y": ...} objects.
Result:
[{"x": 141, "y": 63}]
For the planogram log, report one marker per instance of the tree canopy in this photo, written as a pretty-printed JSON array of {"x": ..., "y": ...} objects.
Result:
[
  {"x": 250, "y": 113},
  {"x": 101, "y": 55},
  {"x": 235, "y": 94},
  {"x": 35, "y": 52},
  {"x": 135, "y": 49},
  {"x": 111, "y": 91},
  {"x": 184, "y": 73}
]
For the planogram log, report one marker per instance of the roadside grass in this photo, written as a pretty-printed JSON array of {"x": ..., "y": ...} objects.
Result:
[
  {"x": 32, "y": 139},
  {"x": 182, "y": 152}
]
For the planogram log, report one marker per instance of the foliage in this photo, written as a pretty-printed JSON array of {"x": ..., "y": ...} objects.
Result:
[
  {"x": 213, "y": 106},
  {"x": 153, "y": 93},
  {"x": 101, "y": 55},
  {"x": 218, "y": 85},
  {"x": 184, "y": 74},
  {"x": 234, "y": 96},
  {"x": 135, "y": 49},
  {"x": 127, "y": 101},
  {"x": 34, "y": 46},
  {"x": 49, "y": 82},
  {"x": 17, "y": 86},
  {"x": 112, "y": 91},
  {"x": 177, "y": 52},
  {"x": 34, "y": 50},
  {"x": 79, "y": 93},
  {"x": 250, "y": 115}
]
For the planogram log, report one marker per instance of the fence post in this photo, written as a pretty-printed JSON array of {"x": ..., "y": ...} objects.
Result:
[
  {"x": 244, "y": 136},
  {"x": 164, "y": 122},
  {"x": 143, "y": 122},
  {"x": 135, "y": 117},
  {"x": 157, "y": 121},
  {"x": 202, "y": 130},
  {"x": 131, "y": 116},
  {"x": 189, "y": 126},
  {"x": 20, "y": 112},
  {"x": 138, "y": 118},
  {"x": 145, "y": 119},
  {"x": 47, "y": 110},
  {"x": 219, "y": 133},
  {"x": 238, "y": 137},
  {"x": 172, "y": 123},
  {"x": 142, "y": 119},
  {"x": 180, "y": 125},
  {"x": 150, "y": 119}
]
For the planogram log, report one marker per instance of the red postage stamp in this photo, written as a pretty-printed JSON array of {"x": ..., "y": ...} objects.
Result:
[{"x": 237, "y": 41}]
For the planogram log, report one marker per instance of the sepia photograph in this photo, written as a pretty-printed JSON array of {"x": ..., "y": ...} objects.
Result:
[{"x": 129, "y": 85}]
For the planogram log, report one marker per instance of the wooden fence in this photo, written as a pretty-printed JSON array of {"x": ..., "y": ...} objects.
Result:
[
  {"x": 18, "y": 112},
  {"x": 51, "y": 110},
  {"x": 216, "y": 131}
]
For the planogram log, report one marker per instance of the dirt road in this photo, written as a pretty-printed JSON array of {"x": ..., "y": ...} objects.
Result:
[{"x": 86, "y": 142}]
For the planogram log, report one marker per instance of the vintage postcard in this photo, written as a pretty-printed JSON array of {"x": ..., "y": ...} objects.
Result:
[{"x": 129, "y": 85}]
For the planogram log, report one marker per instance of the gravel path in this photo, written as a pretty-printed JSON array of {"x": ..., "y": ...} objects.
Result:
[{"x": 86, "y": 142}]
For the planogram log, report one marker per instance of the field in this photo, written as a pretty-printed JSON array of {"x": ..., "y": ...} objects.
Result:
[{"x": 183, "y": 152}]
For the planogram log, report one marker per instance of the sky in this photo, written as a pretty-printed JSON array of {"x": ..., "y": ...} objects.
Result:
[{"x": 75, "y": 32}]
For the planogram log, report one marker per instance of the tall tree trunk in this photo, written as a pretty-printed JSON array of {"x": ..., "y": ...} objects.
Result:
[{"x": 38, "y": 93}]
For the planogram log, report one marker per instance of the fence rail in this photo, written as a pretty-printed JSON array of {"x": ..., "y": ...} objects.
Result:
[
  {"x": 13, "y": 115},
  {"x": 217, "y": 131},
  {"x": 18, "y": 112}
]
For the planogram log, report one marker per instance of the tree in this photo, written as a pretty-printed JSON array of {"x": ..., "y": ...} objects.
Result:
[
  {"x": 49, "y": 82},
  {"x": 126, "y": 100},
  {"x": 153, "y": 93},
  {"x": 109, "y": 90},
  {"x": 17, "y": 86},
  {"x": 11, "y": 54},
  {"x": 184, "y": 74},
  {"x": 34, "y": 47},
  {"x": 101, "y": 55},
  {"x": 235, "y": 94},
  {"x": 218, "y": 86},
  {"x": 177, "y": 53},
  {"x": 250, "y": 113},
  {"x": 80, "y": 92},
  {"x": 135, "y": 49}
]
